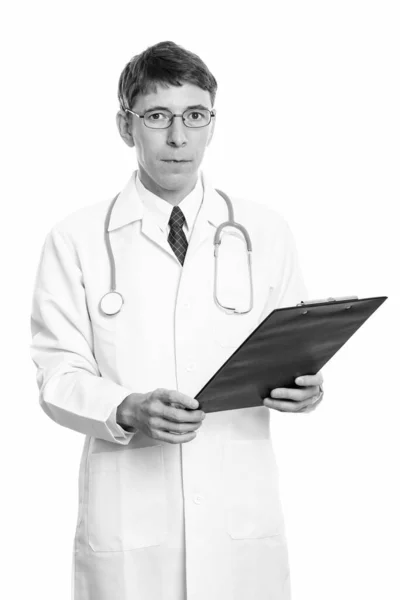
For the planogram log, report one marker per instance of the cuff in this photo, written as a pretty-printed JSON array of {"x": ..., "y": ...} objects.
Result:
[{"x": 121, "y": 435}]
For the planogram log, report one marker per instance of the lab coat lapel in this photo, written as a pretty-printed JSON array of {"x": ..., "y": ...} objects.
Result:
[
  {"x": 129, "y": 208},
  {"x": 151, "y": 230},
  {"x": 202, "y": 230},
  {"x": 213, "y": 211}
]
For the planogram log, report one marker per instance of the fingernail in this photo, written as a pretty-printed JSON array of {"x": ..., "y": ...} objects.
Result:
[{"x": 299, "y": 380}]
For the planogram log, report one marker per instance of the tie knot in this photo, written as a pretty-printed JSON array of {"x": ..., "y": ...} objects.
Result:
[{"x": 177, "y": 219}]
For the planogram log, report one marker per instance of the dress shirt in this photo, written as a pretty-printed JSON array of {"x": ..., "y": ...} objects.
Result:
[{"x": 161, "y": 210}]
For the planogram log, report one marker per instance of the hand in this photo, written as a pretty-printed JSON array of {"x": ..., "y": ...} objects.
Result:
[
  {"x": 298, "y": 400},
  {"x": 165, "y": 415}
]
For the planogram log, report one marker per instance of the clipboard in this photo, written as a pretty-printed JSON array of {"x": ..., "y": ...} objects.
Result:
[{"x": 290, "y": 342}]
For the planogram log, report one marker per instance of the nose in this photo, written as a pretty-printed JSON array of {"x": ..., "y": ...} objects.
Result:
[{"x": 177, "y": 132}]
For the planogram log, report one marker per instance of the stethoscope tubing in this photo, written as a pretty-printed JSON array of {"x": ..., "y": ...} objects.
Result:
[
  {"x": 115, "y": 300},
  {"x": 217, "y": 242},
  {"x": 113, "y": 282}
]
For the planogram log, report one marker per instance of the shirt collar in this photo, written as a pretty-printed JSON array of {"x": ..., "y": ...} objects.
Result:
[
  {"x": 160, "y": 210},
  {"x": 129, "y": 206}
]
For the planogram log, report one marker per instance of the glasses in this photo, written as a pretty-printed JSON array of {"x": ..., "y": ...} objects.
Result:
[{"x": 162, "y": 119}]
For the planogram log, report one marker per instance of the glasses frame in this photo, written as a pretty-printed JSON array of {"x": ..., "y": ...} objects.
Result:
[{"x": 212, "y": 114}]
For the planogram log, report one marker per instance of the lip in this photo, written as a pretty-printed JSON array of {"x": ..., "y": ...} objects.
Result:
[{"x": 175, "y": 160}]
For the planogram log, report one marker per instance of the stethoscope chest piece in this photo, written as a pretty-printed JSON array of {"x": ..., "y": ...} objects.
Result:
[{"x": 111, "y": 303}]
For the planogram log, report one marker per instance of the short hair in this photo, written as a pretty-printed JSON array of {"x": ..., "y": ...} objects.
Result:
[{"x": 165, "y": 63}]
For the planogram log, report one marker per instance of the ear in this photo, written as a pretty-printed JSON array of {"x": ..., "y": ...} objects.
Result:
[
  {"x": 125, "y": 127},
  {"x": 212, "y": 127}
]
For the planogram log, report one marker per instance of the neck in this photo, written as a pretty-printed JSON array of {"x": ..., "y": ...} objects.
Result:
[{"x": 173, "y": 197}]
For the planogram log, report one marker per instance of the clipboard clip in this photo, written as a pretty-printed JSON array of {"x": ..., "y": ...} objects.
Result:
[{"x": 342, "y": 299}]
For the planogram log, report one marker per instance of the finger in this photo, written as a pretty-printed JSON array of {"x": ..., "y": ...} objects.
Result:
[
  {"x": 287, "y": 405},
  {"x": 294, "y": 394},
  {"x": 182, "y": 399},
  {"x": 310, "y": 380},
  {"x": 313, "y": 405},
  {"x": 172, "y": 438},
  {"x": 164, "y": 425},
  {"x": 180, "y": 415},
  {"x": 163, "y": 402}
]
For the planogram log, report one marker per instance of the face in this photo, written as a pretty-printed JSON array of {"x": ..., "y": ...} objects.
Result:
[{"x": 155, "y": 147}]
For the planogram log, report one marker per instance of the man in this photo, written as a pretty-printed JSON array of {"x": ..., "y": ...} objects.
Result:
[{"x": 161, "y": 518}]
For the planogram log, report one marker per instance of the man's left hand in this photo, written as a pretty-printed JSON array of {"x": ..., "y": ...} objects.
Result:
[{"x": 297, "y": 400}]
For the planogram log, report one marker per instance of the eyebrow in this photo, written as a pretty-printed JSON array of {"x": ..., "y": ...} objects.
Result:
[{"x": 193, "y": 106}]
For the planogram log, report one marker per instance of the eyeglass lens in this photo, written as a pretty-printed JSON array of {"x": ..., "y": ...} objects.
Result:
[{"x": 161, "y": 119}]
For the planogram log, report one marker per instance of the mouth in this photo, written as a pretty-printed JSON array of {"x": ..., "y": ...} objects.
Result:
[{"x": 175, "y": 161}]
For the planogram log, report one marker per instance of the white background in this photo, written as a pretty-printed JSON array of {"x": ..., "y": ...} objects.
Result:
[{"x": 308, "y": 123}]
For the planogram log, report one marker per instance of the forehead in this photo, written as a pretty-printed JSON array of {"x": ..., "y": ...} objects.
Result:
[{"x": 174, "y": 97}]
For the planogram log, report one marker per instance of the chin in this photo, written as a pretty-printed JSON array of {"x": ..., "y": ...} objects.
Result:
[{"x": 173, "y": 181}]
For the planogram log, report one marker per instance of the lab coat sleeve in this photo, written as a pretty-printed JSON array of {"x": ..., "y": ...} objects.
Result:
[{"x": 72, "y": 391}]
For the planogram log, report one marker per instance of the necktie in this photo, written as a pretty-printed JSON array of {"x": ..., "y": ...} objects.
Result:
[{"x": 176, "y": 238}]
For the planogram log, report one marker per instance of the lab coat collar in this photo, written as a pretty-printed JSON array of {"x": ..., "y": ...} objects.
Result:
[
  {"x": 129, "y": 207},
  {"x": 160, "y": 211}
]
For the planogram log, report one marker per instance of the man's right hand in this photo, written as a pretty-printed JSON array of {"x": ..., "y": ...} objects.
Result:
[{"x": 165, "y": 415}]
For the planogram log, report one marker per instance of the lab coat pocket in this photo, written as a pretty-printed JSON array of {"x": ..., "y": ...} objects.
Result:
[
  {"x": 126, "y": 500},
  {"x": 251, "y": 497}
]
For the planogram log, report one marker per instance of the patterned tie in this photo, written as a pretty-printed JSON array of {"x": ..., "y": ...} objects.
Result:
[{"x": 176, "y": 238}]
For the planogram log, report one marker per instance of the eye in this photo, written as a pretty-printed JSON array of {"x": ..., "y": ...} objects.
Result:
[
  {"x": 157, "y": 116},
  {"x": 196, "y": 115}
]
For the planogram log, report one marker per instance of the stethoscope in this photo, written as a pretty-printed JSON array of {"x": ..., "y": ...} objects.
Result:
[{"x": 111, "y": 303}]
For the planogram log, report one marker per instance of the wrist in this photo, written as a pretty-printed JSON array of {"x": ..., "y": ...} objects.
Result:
[{"x": 124, "y": 415}]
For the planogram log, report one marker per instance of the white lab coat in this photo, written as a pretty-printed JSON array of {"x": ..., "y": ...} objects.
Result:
[{"x": 158, "y": 521}]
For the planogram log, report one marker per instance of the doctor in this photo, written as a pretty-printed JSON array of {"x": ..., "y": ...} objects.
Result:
[{"x": 172, "y": 505}]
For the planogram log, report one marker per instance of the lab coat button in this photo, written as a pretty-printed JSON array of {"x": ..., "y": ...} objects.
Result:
[
  {"x": 190, "y": 367},
  {"x": 198, "y": 499}
]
